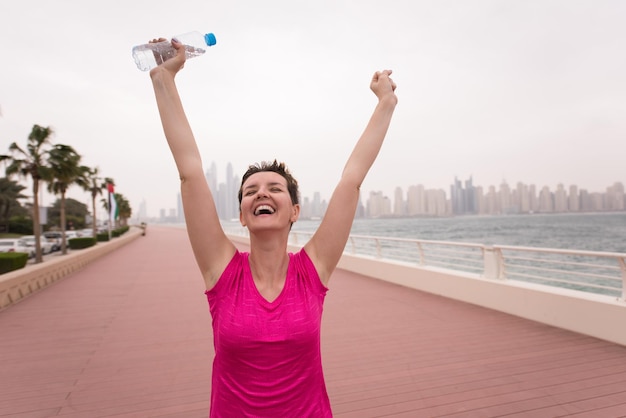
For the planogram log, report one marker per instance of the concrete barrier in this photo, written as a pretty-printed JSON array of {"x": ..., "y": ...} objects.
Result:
[
  {"x": 585, "y": 313},
  {"x": 19, "y": 284}
]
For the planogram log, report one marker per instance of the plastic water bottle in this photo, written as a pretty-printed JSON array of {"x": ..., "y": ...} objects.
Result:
[{"x": 148, "y": 56}]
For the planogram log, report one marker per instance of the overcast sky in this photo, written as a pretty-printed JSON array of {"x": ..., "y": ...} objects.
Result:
[{"x": 516, "y": 91}]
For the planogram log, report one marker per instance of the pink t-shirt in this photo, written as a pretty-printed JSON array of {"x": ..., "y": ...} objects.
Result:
[{"x": 267, "y": 354}]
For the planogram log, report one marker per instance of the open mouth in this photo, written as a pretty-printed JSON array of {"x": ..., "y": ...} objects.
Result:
[{"x": 264, "y": 210}]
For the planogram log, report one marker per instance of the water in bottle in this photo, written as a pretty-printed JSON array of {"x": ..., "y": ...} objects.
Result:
[{"x": 148, "y": 56}]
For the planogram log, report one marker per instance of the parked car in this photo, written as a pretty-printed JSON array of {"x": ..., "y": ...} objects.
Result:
[
  {"x": 87, "y": 232},
  {"x": 15, "y": 245},
  {"x": 53, "y": 237},
  {"x": 71, "y": 234},
  {"x": 46, "y": 247}
]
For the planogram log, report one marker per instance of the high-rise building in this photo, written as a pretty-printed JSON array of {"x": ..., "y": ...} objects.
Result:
[
  {"x": 533, "y": 202},
  {"x": 399, "y": 207},
  {"x": 522, "y": 198},
  {"x": 378, "y": 205},
  {"x": 560, "y": 199},
  {"x": 416, "y": 200},
  {"x": 470, "y": 196},
  {"x": 457, "y": 197},
  {"x": 615, "y": 197},
  {"x": 505, "y": 198},
  {"x": 492, "y": 203},
  {"x": 573, "y": 203},
  {"x": 231, "y": 204},
  {"x": 546, "y": 200},
  {"x": 142, "y": 215},
  {"x": 316, "y": 206},
  {"x": 436, "y": 203}
]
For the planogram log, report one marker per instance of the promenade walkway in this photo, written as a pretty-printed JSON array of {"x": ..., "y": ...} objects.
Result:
[{"x": 130, "y": 336}]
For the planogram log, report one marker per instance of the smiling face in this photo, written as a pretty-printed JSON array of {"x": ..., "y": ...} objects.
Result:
[{"x": 266, "y": 202}]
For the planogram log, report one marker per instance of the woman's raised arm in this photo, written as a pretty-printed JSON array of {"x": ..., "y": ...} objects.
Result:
[
  {"x": 328, "y": 242},
  {"x": 212, "y": 248}
]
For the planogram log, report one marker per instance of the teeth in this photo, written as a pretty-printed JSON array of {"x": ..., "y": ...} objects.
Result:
[{"x": 263, "y": 209}]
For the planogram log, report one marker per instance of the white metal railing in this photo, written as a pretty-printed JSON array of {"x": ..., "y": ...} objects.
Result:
[{"x": 588, "y": 271}]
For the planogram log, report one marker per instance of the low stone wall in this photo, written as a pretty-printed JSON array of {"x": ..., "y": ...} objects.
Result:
[{"x": 19, "y": 284}]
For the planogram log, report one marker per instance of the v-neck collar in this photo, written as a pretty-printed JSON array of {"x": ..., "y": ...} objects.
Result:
[{"x": 255, "y": 289}]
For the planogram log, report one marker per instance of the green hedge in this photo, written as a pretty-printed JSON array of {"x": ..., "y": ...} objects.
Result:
[
  {"x": 117, "y": 232},
  {"x": 102, "y": 237},
  {"x": 83, "y": 242},
  {"x": 12, "y": 261}
]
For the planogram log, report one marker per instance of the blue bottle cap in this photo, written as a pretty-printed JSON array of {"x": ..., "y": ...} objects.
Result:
[{"x": 210, "y": 40}]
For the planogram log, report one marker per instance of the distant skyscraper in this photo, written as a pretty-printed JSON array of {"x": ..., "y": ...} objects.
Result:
[
  {"x": 231, "y": 194},
  {"x": 573, "y": 200},
  {"x": 416, "y": 200},
  {"x": 457, "y": 197},
  {"x": 492, "y": 201},
  {"x": 316, "y": 205},
  {"x": 533, "y": 202},
  {"x": 480, "y": 200},
  {"x": 470, "y": 197},
  {"x": 143, "y": 211},
  {"x": 560, "y": 199},
  {"x": 615, "y": 199},
  {"x": 305, "y": 209},
  {"x": 436, "y": 203},
  {"x": 378, "y": 205},
  {"x": 505, "y": 198},
  {"x": 546, "y": 200},
  {"x": 399, "y": 208}
]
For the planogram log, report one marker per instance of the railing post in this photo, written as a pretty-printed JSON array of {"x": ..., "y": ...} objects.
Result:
[
  {"x": 352, "y": 244},
  {"x": 421, "y": 253},
  {"x": 622, "y": 267},
  {"x": 491, "y": 257}
]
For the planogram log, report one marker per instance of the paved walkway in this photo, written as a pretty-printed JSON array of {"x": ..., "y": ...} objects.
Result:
[{"x": 130, "y": 336}]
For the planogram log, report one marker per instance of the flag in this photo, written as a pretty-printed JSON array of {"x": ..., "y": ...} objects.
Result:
[{"x": 113, "y": 209}]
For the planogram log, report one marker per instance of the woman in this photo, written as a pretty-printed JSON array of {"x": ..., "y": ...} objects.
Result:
[{"x": 266, "y": 305}]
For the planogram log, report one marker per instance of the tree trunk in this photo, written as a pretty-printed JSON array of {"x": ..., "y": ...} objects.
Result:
[
  {"x": 36, "y": 225},
  {"x": 63, "y": 226},
  {"x": 94, "y": 219}
]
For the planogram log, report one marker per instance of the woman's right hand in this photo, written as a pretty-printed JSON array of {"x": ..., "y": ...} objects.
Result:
[{"x": 172, "y": 65}]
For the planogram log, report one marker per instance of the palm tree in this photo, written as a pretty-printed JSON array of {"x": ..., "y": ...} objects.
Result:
[
  {"x": 95, "y": 188},
  {"x": 64, "y": 170},
  {"x": 105, "y": 201},
  {"x": 31, "y": 163},
  {"x": 10, "y": 192},
  {"x": 124, "y": 209}
]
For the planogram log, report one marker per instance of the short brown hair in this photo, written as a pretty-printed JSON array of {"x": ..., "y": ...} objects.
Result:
[{"x": 276, "y": 167}]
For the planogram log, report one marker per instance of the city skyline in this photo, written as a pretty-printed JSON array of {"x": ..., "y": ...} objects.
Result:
[{"x": 462, "y": 197}]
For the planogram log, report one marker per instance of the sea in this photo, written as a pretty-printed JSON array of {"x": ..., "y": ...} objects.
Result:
[{"x": 604, "y": 232}]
